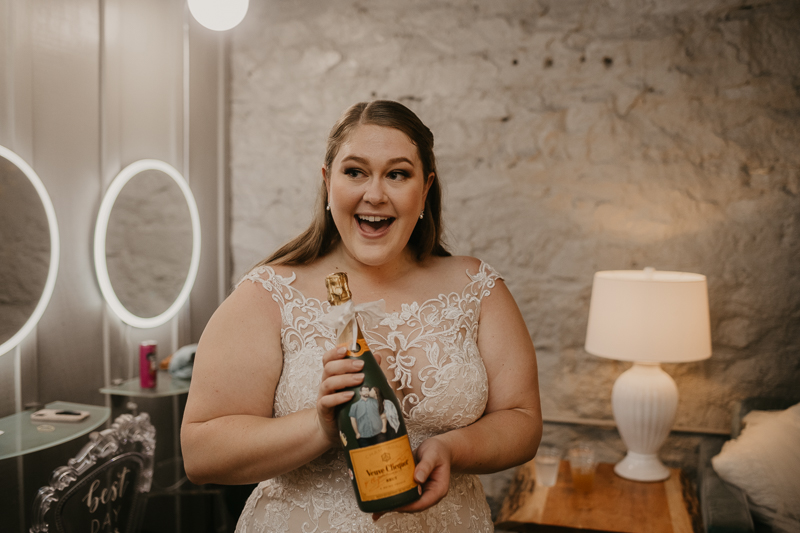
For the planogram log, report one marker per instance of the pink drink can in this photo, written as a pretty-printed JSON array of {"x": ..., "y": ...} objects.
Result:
[{"x": 147, "y": 364}]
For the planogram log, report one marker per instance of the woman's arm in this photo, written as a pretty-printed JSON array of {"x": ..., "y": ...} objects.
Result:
[
  {"x": 228, "y": 434},
  {"x": 510, "y": 429}
]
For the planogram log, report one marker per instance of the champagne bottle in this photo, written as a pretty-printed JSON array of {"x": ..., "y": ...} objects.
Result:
[{"x": 371, "y": 426}]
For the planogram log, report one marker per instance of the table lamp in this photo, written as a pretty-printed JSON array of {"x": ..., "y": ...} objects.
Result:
[{"x": 647, "y": 317}]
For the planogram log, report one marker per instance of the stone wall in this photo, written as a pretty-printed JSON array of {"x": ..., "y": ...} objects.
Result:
[{"x": 572, "y": 136}]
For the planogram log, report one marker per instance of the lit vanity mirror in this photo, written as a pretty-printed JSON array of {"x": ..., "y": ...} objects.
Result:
[
  {"x": 29, "y": 249},
  {"x": 147, "y": 243}
]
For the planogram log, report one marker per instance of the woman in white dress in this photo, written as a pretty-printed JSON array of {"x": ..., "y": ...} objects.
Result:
[{"x": 268, "y": 375}]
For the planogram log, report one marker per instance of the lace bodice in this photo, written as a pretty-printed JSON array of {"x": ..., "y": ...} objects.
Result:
[{"x": 434, "y": 364}]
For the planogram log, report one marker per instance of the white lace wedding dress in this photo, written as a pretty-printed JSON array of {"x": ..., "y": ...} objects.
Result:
[{"x": 433, "y": 358}]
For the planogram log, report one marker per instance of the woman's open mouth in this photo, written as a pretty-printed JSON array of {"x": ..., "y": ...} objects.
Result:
[{"x": 373, "y": 225}]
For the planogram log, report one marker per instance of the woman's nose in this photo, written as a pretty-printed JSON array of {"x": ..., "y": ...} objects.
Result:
[{"x": 375, "y": 192}]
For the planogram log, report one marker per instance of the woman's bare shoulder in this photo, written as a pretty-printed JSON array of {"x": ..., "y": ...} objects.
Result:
[
  {"x": 445, "y": 275},
  {"x": 456, "y": 266}
]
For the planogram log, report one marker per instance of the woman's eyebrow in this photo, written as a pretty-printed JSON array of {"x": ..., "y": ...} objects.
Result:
[
  {"x": 364, "y": 161},
  {"x": 355, "y": 158}
]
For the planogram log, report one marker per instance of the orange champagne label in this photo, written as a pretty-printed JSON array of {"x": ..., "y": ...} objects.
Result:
[{"x": 384, "y": 469}]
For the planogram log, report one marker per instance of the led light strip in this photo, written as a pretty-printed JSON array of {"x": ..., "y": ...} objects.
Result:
[
  {"x": 54, "y": 250},
  {"x": 101, "y": 228}
]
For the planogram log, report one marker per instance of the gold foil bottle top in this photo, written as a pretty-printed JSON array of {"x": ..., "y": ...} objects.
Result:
[{"x": 338, "y": 290}]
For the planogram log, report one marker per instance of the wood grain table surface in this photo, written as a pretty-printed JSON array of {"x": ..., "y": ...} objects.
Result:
[{"x": 614, "y": 504}]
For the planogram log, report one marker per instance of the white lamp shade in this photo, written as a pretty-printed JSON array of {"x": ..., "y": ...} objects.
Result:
[{"x": 649, "y": 316}]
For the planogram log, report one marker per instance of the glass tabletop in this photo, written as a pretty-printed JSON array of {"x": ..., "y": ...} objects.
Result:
[
  {"x": 166, "y": 385},
  {"x": 20, "y": 435}
]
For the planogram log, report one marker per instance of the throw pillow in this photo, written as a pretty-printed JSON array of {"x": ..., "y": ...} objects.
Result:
[{"x": 764, "y": 461}]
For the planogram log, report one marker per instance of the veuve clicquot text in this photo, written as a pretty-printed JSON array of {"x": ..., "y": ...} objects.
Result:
[{"x": 371, "y": 426}]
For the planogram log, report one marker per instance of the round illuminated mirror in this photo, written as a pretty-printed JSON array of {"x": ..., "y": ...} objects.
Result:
[
  {"x": 29, "y": 249},
  {"x": 147, "y": 243}
]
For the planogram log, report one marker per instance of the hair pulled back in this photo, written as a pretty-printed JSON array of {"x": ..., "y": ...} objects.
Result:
[{"x": 322, "y": 235}]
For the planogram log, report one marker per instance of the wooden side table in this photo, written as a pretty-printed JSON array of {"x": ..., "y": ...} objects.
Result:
[{"x": 614, "y": 504}]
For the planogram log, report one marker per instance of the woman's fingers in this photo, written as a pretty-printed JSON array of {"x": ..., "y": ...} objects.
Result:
[
  {"x": 334, "y": 355},
  {"x": 334, "y": 362},
  {"x": 345, "y": 366},
  {"x": 423, "y": 470},
  {"x": 327, "y": 404},
  {"x": 338, "y": 373},
  {"x": 432, "y": 474},
  {"x": 434, "y": 488},
  {"x": 335, "y": 383},
  {"x": 434, "y": 478}
]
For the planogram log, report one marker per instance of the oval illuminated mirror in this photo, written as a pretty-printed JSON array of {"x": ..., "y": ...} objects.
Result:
[
  {"x": 147, "y": 243},
  {"x": 29, "y": 249}
]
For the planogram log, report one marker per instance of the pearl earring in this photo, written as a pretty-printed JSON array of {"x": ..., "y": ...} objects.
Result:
[
  {"x": 422, "y": 214},
  {"x": 328, "y": 208}
]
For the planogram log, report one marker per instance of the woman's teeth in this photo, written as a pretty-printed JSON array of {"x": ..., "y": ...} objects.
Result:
[{"x": 373, "y": 224}]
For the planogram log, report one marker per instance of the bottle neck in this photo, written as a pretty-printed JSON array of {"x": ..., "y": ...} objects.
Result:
[{"x": 338, "y": 289}]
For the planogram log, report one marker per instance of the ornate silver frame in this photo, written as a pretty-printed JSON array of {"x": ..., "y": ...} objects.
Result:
[{"x": 128, "y": 438}]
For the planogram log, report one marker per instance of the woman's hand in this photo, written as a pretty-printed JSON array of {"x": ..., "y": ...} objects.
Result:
[
  {"x": 432, "y": 474},
  {"x": 338, "y": 373}
]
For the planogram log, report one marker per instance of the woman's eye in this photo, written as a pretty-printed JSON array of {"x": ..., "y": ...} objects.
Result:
[
  {"x": 398, "y": 174},
  {"x": 352, "y": 172}
]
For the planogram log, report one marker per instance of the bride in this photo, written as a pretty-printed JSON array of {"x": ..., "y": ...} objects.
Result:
[{"x": 268, "y": 375}]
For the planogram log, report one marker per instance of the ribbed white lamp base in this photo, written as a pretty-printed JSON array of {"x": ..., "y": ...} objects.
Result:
[
  {"x": 638, "y": 467},
  {"x": 644, "y": 400}
]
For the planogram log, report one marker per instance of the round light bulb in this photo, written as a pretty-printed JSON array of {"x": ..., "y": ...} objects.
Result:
[{"x": 218, "y": 15}]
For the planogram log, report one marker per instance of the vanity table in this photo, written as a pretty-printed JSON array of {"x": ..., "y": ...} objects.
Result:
[
  {"x": 21, "y": 435},
  {"x": 165, "y": 386},
  {"x": 193, "y": 508}
]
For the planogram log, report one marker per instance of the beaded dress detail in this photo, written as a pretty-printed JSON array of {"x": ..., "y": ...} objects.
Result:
[{"x": 434, "y": 364}]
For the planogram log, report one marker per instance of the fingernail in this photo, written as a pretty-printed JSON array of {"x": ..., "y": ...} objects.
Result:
[
  {"x": 358, "y": 363},
  {"x": 341, "y": 350}
]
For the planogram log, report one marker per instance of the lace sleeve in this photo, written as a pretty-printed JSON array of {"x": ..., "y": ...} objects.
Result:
[
  {"x": 484, "y": 281},
  {"x": 279, "y": 286}
]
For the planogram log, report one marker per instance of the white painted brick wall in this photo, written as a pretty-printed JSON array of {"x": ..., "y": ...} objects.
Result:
[{"x": 585, "y": 135}]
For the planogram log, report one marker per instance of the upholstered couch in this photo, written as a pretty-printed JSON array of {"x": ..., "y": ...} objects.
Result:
[{"x": 725, "y": 508}]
